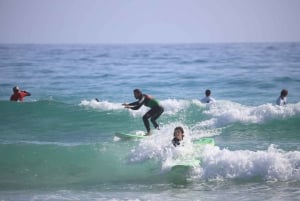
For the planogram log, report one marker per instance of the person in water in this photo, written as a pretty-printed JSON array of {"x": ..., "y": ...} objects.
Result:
[
  {"x": 147, "y": 100},
  {"x": 208, "y": 98},
  {"x": 18, "y": 95},
  {"x": 282, "y": 99},
  {"x": 178, "y": 136}
]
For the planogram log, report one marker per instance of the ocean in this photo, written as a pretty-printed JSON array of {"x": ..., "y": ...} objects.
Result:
[{"x": 60, "y": 143}]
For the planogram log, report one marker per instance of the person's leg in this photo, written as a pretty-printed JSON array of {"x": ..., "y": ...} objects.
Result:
[
  {"x": 146, "y": 122},
  {"x": 157, "y": 112}
]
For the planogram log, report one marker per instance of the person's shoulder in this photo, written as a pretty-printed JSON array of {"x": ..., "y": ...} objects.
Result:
[
  {"x": 204, "y": 100},
  {"x": 24, "y": 93},
  {"x": 14, "y": 96},
  {"x": 208, "y": 99},
  {"x": 147, "y": 96},
  {"x": 278, "y": 101}
]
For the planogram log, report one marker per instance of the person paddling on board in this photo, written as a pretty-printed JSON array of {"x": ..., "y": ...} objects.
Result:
[
  {"x": 178, "y": 136},
  {"x": 282, "y": 100},
  {"x": 18, "y": 94},
  {"x": 147, "y": 100}
]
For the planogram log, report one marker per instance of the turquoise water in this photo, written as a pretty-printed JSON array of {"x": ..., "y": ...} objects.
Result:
[{"x": 59, "y": 144}]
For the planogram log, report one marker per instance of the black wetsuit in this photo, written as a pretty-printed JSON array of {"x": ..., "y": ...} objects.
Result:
[
  {"x": 175, "y": 142},
  {"x": 155, "y": 111}
]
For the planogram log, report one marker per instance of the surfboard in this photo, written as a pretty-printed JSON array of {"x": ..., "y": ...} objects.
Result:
[
  {"x": 185, "y": 163},
  {"x": 179, "y": 174},
  {"x": 181, "y": 168},
  {"x": 129, "y": 136},
  {"x": 188, "y": 162},
  {"x": 205, "y": 141}
]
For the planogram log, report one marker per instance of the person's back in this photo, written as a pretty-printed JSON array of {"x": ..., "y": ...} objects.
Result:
[
  {"x": 282, "y": 99},
  {"x": 208, "y": 98}
]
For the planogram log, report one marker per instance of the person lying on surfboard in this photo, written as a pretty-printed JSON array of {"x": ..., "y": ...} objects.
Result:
[
  {"x": 178, "y": 136},
  {"x": 147, "y": 100}
]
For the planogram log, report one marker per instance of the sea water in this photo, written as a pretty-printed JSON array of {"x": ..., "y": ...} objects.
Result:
[{"x": 59, "y": 143}]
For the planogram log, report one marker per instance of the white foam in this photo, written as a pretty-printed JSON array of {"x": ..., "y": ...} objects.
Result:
[
  {"x": 216, "y": 115},
  {"x": 223, "y": 113},
  {"x": 271, "y": 164},
  {"x": 158, "y": 146},
  {"x": 62, "y": 144},
  {"x": 103, "y": 105},
  {"x": 171, "y": 106}
]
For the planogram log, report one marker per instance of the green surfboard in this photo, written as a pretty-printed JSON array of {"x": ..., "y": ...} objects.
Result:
[
  {"x": 188, "y": 162},
  {"x": 129, "y": 136}
]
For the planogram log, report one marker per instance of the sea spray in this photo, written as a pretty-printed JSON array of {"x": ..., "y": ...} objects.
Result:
[{"x": 272, "y": 164}]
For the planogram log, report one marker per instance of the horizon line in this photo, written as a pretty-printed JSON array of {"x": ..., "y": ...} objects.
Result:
[{"x": 142, "y": 43}]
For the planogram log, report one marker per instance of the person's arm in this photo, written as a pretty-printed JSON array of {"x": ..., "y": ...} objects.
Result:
[
  {"x": 135, "y": 105},
  {"x": 130, "y": 105},
  {"x": 212, "y": 100},
  {"x": 22, "y": 94},
  {"x": 26, "y": 93},
  {"x": 12, "y": 98},
  {"x": 204, "y": 100},
  {"x": 279, "y": 101}
]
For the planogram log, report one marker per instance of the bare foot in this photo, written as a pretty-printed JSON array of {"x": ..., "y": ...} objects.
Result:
[{"x": 148, "y": 133}]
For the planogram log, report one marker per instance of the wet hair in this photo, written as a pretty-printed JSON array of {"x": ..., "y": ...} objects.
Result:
[
  {"x": 284, "y": 92},
  {"x": 207, "y": 92},
  {"x": 178, "y": 128},
  {"x": 16, "y": 88},
  {"x": 137, "y": 91}
]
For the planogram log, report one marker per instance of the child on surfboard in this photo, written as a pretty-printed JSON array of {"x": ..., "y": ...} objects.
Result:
[
  {"x": 178, "y": 136},
  {"x": 147, "y": 100}
]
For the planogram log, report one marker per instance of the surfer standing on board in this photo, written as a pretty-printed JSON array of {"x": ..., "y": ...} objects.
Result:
[{"x": 147, "y": 100}]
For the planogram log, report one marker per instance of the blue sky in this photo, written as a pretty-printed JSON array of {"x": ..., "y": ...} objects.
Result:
[{"x": 149, "y": 21}]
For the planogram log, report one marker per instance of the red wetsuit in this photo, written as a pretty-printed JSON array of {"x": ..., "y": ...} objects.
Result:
[{"x": 19, "y": 96}]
